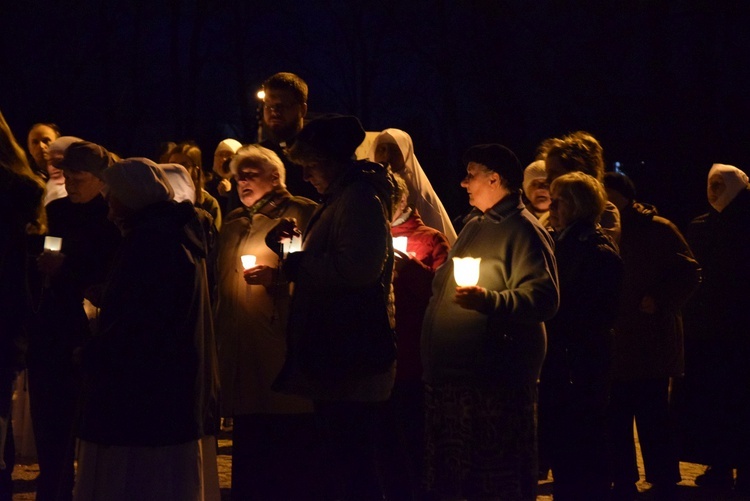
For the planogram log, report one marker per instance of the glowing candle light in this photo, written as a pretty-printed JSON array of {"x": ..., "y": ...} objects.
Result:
[
  {"x": 399, "y": 243},
  {"x": 53, "y": 244},
  {"x": 294, "y": 245},
  {"x": 248, "y": 261},
  {"x": 466, "y": 270}
]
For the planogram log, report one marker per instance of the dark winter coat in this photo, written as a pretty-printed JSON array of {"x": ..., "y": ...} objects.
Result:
[
  {"x": 340, "y": 343},
  {"x": 251, "y": 319},
  {"x": 148, "y": 367},
  {"x": 721, "y": 243},
  {"x": 659, "y": 264},
  {"x": 19, "y": 205},
  {"x": 579, "y": 337},
  {"x": 90, "y": 242}
]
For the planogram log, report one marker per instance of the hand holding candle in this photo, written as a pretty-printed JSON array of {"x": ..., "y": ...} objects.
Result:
[
  {"x": 260, "y": 275},
  {"x": 50, "y": 261}
]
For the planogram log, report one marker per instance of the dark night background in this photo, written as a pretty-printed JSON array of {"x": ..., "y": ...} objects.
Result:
[{"x": 662, "y": 84}]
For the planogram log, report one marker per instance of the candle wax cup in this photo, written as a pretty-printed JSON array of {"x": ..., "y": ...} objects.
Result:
[
  {"x": 466, "y": 271},
  {"x": 248, "y": 261}
]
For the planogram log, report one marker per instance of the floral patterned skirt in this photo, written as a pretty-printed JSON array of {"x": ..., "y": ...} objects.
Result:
[{"x": 480, "y": 443}]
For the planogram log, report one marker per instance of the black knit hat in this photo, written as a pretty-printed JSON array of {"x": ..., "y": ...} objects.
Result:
[
  {"x": 334, "y": 137},
  {"x": 498, "y": 158}
]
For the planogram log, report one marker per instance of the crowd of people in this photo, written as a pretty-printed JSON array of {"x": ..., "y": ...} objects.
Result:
[{"x": 311, "y": 303}]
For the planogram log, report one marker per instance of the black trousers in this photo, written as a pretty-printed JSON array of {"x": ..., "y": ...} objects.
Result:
[
  {"x": 400, "y": 443},
  {"x": 347, "y": 431},
  {"x": 9, "y": 453},
  {"x": 646, "y": 401},
  {"x": 275, "y": 457},
  {"x": 54, "y": 391}
]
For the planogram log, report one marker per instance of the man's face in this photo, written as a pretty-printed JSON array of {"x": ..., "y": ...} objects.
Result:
[
  {"x": 283, "y": 114},
  {"x": 39, "y": 139},
  {"x": 554, "y": 168},
  {"x": 254, "y": 182},
  {"x": 479, "y": 185},
  {"x": 538, "y": 195},
  {"x": 82, "y": 187}
]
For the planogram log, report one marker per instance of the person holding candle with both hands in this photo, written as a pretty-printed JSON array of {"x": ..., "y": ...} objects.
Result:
[
  {"x": 340, "y": 343},
  {"x": 483, "y": 345}
]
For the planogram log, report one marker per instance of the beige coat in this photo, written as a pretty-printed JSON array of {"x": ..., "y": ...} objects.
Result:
[{"x": 250, "y": 319}]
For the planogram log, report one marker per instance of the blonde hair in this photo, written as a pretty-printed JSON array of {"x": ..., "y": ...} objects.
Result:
[
  {"x": 259, "y": 155},
  {"x": 584, "y": 192},
  {"x": 13, "y": 158}
]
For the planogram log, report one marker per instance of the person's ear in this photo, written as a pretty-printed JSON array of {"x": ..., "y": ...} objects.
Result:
[
  {"x": 495, "y": 180},
  {"x": 303, "y": 110}
]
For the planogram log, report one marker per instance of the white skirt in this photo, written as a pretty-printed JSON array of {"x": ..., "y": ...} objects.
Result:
[{"x": 117, "y": 473}]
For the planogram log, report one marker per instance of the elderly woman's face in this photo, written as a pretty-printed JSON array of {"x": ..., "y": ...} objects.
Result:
[
  {"x": 254, "y": 182},
  {"x": 319, "y": 175},
  {"x": 561, "y": 210}
]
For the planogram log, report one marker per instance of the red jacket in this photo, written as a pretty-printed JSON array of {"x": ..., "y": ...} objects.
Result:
[{"x": 412, "y": 286}]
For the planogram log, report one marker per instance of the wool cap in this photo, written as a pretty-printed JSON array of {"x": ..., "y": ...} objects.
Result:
[
  {"x": 137, "y": 183},
  {"x": 332, "y": 136},
  {"x": 497, "y": 158},
  {"x": 83, "y": 156},
  {"x": 535, "y": 170}
]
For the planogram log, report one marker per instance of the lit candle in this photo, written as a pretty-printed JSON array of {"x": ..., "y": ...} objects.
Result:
[
  {"x": 53, "y": 244},
  {"x": 466, "y": 270},
  {"x": 248, "y": 261},
  {"x": 399, "y": 243}
]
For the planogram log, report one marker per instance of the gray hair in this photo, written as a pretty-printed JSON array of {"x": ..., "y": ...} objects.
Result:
[{"x": 258, "y": 155}]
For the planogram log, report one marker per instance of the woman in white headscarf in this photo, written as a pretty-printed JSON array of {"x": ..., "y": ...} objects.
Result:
[
  {"x": 148, "y": 390},
  {"x": 715, "y": 406},
  {"x": 395, "y": 148}
]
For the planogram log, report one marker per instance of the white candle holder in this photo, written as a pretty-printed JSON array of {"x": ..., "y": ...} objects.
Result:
[
  {"x": 52, "y": 244},
  {"x": 466, "y": 270},
  {"x": 400, "y": 243},
  {"x": 248, "y": 261}
]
